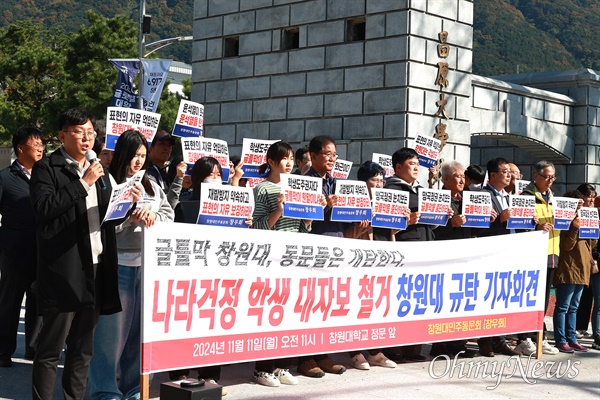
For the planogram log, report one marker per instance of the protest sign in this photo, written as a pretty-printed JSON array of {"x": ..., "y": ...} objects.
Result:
[
  {"x": 520, "y": 185},
  {"x": 215, "y": 295},
  {"x": 389, "y": 208},
  {"x": 588, "y": 223},
  {"x": 428, "y": 149},
  {"x": 434, "y": 205},
  {"x": 121, "y": 198},
  {"x": 523, "y": 211},
  {"x": 254, "y": 154},
  {"x": 341, "y": 169},
  {"x": 119, "y": 120},
  {"x": 225, "y": 205},
  {"x": 477, "y": 209},
  {"x": 564, "y": 210},
  {"x": 195, "y": 148},
  {"x": 386, "y": 163},
  {"x": 190, "y": 119},
  {"x": 303, "y": 196},
  {"x": 353, "y": 202},
  {"x": 253, "y": 182}
]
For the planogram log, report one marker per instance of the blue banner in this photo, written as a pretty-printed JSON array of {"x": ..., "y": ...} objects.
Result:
[
  {"x": 124, "y": 95},
  {"x": 520, "y": 223},
  {"x": 153, "y": 81},
  {"x": 477, "y": 221},
  {"x": 588, "y": 233},
  {"x": 388, "y": 221},
  {"x": 350, "y": 214},
  {"x": 562, "y": 224},
  {"x": 433, "y": 219},
  {"x": 426, "y": 162},
  {"x": 303, "y": 211},
  {"x": 222, "y": 221}
]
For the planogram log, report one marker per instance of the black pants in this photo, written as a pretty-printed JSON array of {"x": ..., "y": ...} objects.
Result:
[
  {"x": 585, "y": 309},
  {"x": 17, "y": 273},
  {"x": 76, "y": 329}
]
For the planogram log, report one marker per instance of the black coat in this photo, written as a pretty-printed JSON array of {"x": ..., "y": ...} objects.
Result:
[
  {"x": 65, "y": 276},
  {"x": 17, "y": 231},
  {"x": 496, "y": 227}
]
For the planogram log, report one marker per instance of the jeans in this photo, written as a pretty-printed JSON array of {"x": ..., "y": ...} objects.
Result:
[
  {"x": 565, "y": 312},
  {"x": 595, "y": 286},
  {"x": 117, "y": 344}
]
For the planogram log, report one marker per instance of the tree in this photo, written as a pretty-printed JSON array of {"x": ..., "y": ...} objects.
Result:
[{"x": 31, "y": 74}]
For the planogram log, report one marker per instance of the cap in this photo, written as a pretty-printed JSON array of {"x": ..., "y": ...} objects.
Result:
[{"x": 164, "y": 135}]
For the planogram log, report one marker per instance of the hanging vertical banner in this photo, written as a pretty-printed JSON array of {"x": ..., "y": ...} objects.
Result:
[
  {"x": 428, "y": 149},
  {"x": 254, "y": 154},
  {"x": 389, "y": 208},
  {"x": 124, "y": 95},
  {"x": 194, "y": 149},
  {"x": 341, "y": 169},
  {"x": 386, "y": 163},
  {"x": 190, "y": 119},
  {"x": 119, "y": 120},
  {"x": 433, "y": 206},
  {"x": 353, "y": 202},
  {"x": 155, "y": 75}
]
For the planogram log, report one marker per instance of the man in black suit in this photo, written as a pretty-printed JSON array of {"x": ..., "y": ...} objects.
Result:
[
  {"x": 77, "y": 256},
  {"x": 17, "y": 246}
]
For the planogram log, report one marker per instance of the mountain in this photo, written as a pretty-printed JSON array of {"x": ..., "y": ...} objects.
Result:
[
  {"x": 170, "y": 18},
  {"x": 509, "y": 35}
]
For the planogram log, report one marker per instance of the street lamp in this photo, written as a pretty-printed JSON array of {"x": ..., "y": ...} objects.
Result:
[{"x": 166, "y": 42}]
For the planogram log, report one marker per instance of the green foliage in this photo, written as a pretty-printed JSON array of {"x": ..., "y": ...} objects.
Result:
[{"x": 503, "y": 39}]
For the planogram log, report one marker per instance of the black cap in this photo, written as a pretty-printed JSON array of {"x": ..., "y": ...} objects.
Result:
[{"x": 163, "y": 135}]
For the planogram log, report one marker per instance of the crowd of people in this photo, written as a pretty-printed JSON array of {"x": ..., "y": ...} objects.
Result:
[{"x": 81, "y": 277}]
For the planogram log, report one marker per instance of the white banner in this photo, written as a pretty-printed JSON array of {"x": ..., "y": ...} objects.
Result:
[
  {"x": 214, "y": 295},
  {"x": 119, "y": 120},
  {"x": 389, "y": 208},
  {"x": 303, "y": 196},
  {"x": 564, "y": 210},
  {"x": 428, "y": 149},
  {"x": 386, "y": 163},
  {"x": 341, "y": 169},
  {"x": 523, "y": 211},
  {"x": 254, "y": 154},
  {"x": 353, "y": 202},
  {"x": 434, "y": 205}
]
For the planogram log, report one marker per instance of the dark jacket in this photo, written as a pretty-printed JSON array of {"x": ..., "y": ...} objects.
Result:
[
  {"x": 327, "y": 227},
  {"x": 496, "y": 227},
  {"x": 65, "y": 280},
  {"x": 574, "y": 261},
  {"x": 412, "y": 232},
  {"x": 448, "y": 232},
  {"x": 17, "y": 231}
]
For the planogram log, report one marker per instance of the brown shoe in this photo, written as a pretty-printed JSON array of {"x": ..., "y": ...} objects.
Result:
[
  {"x": 485, "y": 347},
  {"x": 329, "y": 366},
  {"x": 507, "y": 351},
  {"x": 311, "y": 369}
]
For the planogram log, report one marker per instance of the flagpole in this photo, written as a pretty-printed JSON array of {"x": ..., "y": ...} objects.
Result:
[{"x": 141, "y": 50}]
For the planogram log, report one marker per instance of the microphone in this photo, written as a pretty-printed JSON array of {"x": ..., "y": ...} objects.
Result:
[{"x": 90, "y": 155}]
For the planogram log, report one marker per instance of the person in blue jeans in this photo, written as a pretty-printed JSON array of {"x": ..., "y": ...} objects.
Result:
[
  {"x": 572, "y": 274},
  {"x": 117, "y": 338}
]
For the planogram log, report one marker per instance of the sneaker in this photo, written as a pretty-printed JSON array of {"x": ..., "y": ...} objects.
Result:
[
  {"x": 359, "y": 362},
  {"x": 381, "y": 361},
  {"x": 266, "y": 379},
  {"x": 583, "y": 334},
  {"x": 311, "y": 369},
  {"x": 526, "y": 347},
  {"x": 547, "y": 349},
  {"x": 328, "y": 365},
  {"x": 285, "y": 377},
  {"x": 223, "y": 390},
  {"x": 564, "y": 348},
  {"x": 577, "y": 347}
]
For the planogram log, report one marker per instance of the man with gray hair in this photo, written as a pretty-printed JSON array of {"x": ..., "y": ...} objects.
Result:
[{"x": 544, "y": 176}]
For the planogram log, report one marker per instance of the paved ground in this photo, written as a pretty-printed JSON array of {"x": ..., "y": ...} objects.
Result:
[{"x": 561, "y": 376}]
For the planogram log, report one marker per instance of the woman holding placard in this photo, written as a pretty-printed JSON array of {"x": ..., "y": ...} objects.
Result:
[{"x": 117, "y": 336}]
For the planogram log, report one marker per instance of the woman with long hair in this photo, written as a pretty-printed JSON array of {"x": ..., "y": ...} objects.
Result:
[{"x": 117, "y": 336}]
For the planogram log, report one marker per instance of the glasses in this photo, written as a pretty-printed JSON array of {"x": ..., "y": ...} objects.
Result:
[
  {"x": 330, "y": 155},
  {"x": 35, "y": 146},
  {"x": 517, "y": 174},
  {"x": 80, "y": 134},
  {"x": 504, "y": 171},
  {"x": 548, "y": 178}
]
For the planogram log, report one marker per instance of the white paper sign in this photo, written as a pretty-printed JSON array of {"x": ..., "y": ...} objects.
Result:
[
  {"x": 225, "y": 205},
  {"x": 121, "y": 198},
  {"x": 386, "y": 163},
  {"x": 341, "y": 169},
  {"x": 195, "y": 148},
  {"x": 389, "y": 208},
  {"x": 428, "y": 149},
  {"x": 303, "y": 196},
  {"x": 119, "y": 120},
  {"x": 190, "y": 119},
  {"x": 353, "y": 202},
  {"x": 254, "y": 154},
  {"x": 433, "y": 206}
]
